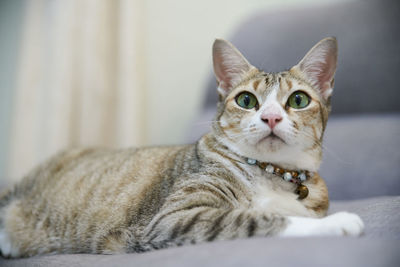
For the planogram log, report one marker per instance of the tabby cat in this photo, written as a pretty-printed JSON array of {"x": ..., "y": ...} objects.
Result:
[{"x": 254, "y": 174}]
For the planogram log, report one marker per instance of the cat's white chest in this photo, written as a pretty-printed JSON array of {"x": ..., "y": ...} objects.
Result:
[{"x": 277, "y": 196}]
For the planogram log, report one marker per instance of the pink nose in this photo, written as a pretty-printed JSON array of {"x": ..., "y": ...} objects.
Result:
[{"x": 271, "y": 119}]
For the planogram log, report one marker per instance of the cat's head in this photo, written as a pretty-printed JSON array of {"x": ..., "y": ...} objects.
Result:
[{"x": 275, "y": 117}]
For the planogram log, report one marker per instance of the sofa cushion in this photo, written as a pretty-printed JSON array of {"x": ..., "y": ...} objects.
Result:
[
  {"x": 333, "y": 252},
  {"x": 362, "y": 156},
  {"x": 380, "y": 214},
  {"x": 378, "y": 247}
]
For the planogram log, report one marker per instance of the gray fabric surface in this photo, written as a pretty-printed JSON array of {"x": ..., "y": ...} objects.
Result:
[
  {"x": 381, "y": 215},
  {"x": 367, "y": 32},
  {"x": 362, "y": 156},
  {"x": 378, "y": 247},
  {"x": 253, "y": 252}
]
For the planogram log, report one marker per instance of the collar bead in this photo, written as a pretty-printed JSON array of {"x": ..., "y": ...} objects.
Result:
[{"x": 251, "y": 161}]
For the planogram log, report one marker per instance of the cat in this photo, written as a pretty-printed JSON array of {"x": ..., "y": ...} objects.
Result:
[{"x": 254, "y": 174}]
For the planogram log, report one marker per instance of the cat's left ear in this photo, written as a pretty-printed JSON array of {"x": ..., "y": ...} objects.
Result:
[
  {"x": 230, "y": 66},
  {"x": 319, "y": 66}
]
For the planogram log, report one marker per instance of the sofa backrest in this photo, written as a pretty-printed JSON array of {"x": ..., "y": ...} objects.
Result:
[{"x": 369, "y": 43}]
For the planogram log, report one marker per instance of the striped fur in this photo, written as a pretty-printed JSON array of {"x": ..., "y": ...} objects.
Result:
[{"x": 135, "y": 200}]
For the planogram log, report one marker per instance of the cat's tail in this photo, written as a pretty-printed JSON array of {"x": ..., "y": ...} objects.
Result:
[{"x": 6, "y": 247}]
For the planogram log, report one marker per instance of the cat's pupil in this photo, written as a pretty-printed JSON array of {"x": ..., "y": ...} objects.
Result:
[
  {"x": 298, "y": 99},
  {"x": 246, "y": 100}
]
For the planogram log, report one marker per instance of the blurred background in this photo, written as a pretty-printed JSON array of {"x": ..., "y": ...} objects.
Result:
[{"x": 121, "y": 73}]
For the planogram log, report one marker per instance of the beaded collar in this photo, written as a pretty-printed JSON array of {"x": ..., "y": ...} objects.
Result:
[{"x": 296, "y": 177}]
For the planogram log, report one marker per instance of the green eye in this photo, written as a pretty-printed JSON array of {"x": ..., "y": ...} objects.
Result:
[
  {"x": 298, "y": 100},
  {"x": 246, "y": 100}
]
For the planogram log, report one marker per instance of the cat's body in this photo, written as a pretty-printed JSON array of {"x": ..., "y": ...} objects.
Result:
[{"x": 133, "y": 200}]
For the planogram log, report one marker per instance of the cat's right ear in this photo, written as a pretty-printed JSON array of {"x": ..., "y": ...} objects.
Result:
[
  {"x": 229, "y": 66},
  {"x": 319, "y": 65}
]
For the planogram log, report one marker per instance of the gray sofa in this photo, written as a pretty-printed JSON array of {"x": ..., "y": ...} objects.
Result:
[{"x": 362, "y": 143}]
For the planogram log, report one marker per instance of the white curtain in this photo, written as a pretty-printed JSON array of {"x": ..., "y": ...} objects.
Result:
[{"x": 80, "y": 80}]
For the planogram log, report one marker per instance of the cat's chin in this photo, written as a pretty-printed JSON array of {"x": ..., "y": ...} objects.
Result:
[
  {"x": 272, "y": 140},
  {"x": 288, "y": 157},
  {"x": 271, "y": 143}
]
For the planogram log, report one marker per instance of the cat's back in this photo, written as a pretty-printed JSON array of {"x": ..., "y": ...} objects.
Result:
[
  {"x": 84, "y": 191},
  {"x": 91, "y": 170}
]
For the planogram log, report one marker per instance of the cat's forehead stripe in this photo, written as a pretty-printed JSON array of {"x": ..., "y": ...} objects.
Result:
[
  {"x": 270, "y": 79},
  {"x": 285, "y": 84},
  {"x": 266, "y": 80}
]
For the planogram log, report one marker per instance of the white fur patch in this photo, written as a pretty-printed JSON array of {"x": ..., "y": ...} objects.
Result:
[
  {"x": 273, "y": 195},
  {"x": 338, "y": 224},
  {"x": 6, "y": 247}
]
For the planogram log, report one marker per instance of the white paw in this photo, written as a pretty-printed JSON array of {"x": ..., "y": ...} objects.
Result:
[
  {"x": 342, "y": 223},
  {"x": 338, "y": 224}
]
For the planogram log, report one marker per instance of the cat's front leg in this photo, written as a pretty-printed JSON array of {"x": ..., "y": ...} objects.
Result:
[
  {"x": 200, "y": 223},
  {"x": 337, "y": 224}
]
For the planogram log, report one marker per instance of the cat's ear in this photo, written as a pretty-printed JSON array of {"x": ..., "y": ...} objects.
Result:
[
  {"x": 319, "y": 66},
  {"x": 229, "y": 66}
]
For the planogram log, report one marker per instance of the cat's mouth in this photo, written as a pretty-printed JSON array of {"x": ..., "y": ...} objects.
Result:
[{"x": 272, "y": 138}]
